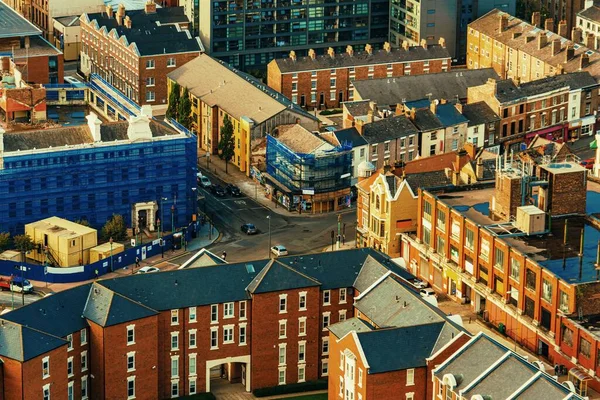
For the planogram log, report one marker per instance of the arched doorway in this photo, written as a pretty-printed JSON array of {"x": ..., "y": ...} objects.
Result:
[{"x": 222, "y": 374}]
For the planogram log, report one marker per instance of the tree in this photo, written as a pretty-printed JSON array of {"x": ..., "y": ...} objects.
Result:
[
  {"x": 23, "y": 243},
  {"x": 83, "y": 222},
  {"x": 227, "y": 142},
  {"x": 184, "y": 109},
  {"x": 4, "y": 241},
  {"x": 115, "y": 228},
  {"x": 173, "y": 106}
]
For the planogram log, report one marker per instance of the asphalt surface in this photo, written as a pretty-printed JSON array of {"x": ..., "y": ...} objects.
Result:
[
  {"x": 298, "y": 234},
  {"x": 8, "y": 298},
  {"x": 582, "y": 148}
]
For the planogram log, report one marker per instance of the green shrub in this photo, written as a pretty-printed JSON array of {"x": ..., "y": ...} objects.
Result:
[
  {"x": 320, "y": 384},
  {"x": 332, "y": 111}
]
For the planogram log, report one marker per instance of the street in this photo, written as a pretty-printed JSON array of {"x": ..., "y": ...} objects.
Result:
[
  {"x": 7, "y": 298},
  {"x": 299, "y": 234},
  {"x": 582, "y": 147}
]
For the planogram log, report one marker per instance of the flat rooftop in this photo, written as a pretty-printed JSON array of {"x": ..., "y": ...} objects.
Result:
[
  {"x": 549, "y": 250},
  {"x": 12, "y": 24},
  {"x": 38, "y": 46}
]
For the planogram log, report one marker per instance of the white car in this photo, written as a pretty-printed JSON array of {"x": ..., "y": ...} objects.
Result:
[
  {"x": 427, "y": 292},
  {"x": 205, "y": 182},
  {"x": 72, "y": 80},
  {"x": 279, "y": 250},
  {"x": 419, "y": 284},
  {"x": 147, "y": 270}
]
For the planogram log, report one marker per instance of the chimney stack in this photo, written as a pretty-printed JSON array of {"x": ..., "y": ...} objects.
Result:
[
  {"x": 590, "y": 40},
  {"x": 293, "y": 55},
  {"x": 370, "y": 117},
  {"x": 387, "y": 47},
  {"x": 94, "y": 124},
  {"x": 350, "y": 50},
  {"x": 150, "y": 7},
  {"x": 503, "y": 22},
  {"x": 577, "y": 35},
  {"x": 536, "y": 19},
  {"x": 570, "y": 53},
  {"x": 387, "y": 168},
  {"x": 120, "y": 14},
  {"x": 109, "y": 11},
  {"x": 369, "y": 49},
  {"x": 493, "y": 84},
  {"x": 562, "y": 28},
  {"x": 433, "y": 106},
  {"x": 479, "y": 169},
  {"x": 331, "y": 52},
  {"x": 312, "y": 54},
  {"x": 542, "y": 40},
  {"x": 584, "y": 61},
  {"x": 127, "y": 22},
  {"x": 442, "y": 42},
  {"x": 549, "y": 24},
  {"x": 424, "y": 44},
  {"x": 405, "y": 45},
  {"x": 555, "y": 47},
  {"x": 413, "y": 114}
]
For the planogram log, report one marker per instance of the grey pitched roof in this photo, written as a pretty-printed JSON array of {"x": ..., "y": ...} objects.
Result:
[
  {"x": 350, "y": 135},
  {"x": 426, "y": 180},
  {"x": 504, "y": 379},
  {"x": 388, "y": 129},
  {"x": 107, "y": 308},
  {"x": 153, "y": 33},
  {"x": 544, "y": 388},
  {"x": 65, "y": 306},
  {"x": 344, "y": 60},
  {"x": 592, "y": 13},
  {"x": 507, "y": 91},
  {"x": 12, "y": 24},
  {"x": 21, "y": 343},
  {"x": 386, "y": 349},
  {"x": 443, "y": 85},
  {"x": 72, "y": 20},
  {"x": 358, "y": 107},
  {"x": 426, "y": 120},
  {"x": 276, "y": 277},
  {"x": 479, "y": 113},
  {"x": 371, "y": 271},
  {"x": 339, "y": 269},
  {"x": 355, "y": 324}
]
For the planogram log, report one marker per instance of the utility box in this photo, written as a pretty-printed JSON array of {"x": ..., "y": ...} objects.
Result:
[{"x": 531, "y": 220}]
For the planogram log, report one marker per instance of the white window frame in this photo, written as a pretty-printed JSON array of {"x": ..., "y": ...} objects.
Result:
[
  {"x": 71, "y": 389},
  {"x": 301, "y": 323},
  {"x": 214, "y": 331},
  {"x": 243, "y": 310},
  {"x": 302, "y": 352},
  {"x": 302, "y": 296},
  {"x": 282, "y": 346},
  {"x": 342, "y": 315},
  {"x": 174, "y": 363},
  {"x": 70, "y": 362},
  {"x": 325, "y": 367},
  {"x": 325, "y": 346},
  {"x": 302, "y": 377},
  {"x": 83, "y": 336},
  {"x": 84, "y": 361},
  {"x": 324, "y": 316},
  {"x": 326, "y": 297},
  {"x": 174, "y": 317},
  {"x": 343, "y": 295},
  {"x": 193, "y": 333},
  {"x": 84, "y": 387},
  {"x": 46, "y": 389},
  {"x": 192, "y": 386},
  {"x": 192, "y": 315},
  {"x": 282, "y": 303},
  {"x": 360, "y": 377},
  {"x": 282, "y": 323},
  {"x": 229, "y": 310},
  {"x": 228, "y": 331},
  {"x": 194, "y": 372},
  {"x": 174, "y": 388},
  {"x": 174, "y": 335},
  {"x": 70, "y": 340},
  {"x": 214, "y": 313},
  {"x": 45, "y": 367},
  {"x": 243, "y": 337},
  {"x": 131, "y": 355},
  {"x": 130, "y": 329},
  {"x": 130, "y": 379},
  {"x": 410, "y": 377},
  {"x": 172, "y": 64},
  {"x": 279, "y": 375},
  {"x": 150, "y": 64}
]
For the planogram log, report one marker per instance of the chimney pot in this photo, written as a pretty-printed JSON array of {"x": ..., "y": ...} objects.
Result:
[
  {"x": 562, "y": 29},
  {"x": 331, "y": 52},
  {"x": 150, "y": 7},
  {"x": 577, "y": 35},
  {"x": 387, "y": 47},
  {"x": 369, "y": 49},
  {"x": 293, "y": 55},
  {"x": 312, "y": 54},
  {"x": 536, "y": 19},
  {"x": 424, "y": 44},
  {"x": 542, "y": 40},
  {"x": 405, "y": 45},
  {"x": 442, "y": 42},
  {"x": 555, "y": 46},
  {"x": 350, "y": 50},
  {"x": 549, "y": 24}
]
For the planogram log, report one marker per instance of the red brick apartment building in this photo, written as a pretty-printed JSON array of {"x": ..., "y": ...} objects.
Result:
[
  {"x": 170, "y": 334},
  {"x": 523, "y": 255},
  {"x": 135, "y": 50},
  {"x": 326, "y": 81},
  {"x": 560, "y": 108},
  {"x": 36, "y": 59}
]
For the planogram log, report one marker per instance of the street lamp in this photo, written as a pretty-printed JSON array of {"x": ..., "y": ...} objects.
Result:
[
  {"x": 111, "y": 257},
  {"x": 173, "y": 218},
  {"x": 162, "y": 215},
  {"x": 269, "y": 218}
]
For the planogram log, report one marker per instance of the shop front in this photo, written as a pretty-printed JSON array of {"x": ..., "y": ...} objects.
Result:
[{"x": 556, "y": 133}]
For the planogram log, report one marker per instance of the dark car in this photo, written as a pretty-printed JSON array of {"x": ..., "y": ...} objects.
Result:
[
  {"x": 217, "y": 190},
  {"x": 234, "y": 190},
  {"x": 249, "y": 229}
]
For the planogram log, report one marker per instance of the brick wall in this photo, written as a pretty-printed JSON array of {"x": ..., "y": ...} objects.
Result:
[
  {"x": 391, "y": 385},
  {"x": 159, "y": 73},
  {"x": 442, "y": 356},
  {"x": 33, "y": 381},
  {"x": 568, "y": 193}
]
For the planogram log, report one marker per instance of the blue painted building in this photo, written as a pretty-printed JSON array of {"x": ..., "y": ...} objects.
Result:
[{"x": 92, "y": 171}]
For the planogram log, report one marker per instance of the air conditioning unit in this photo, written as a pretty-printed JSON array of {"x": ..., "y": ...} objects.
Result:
[{"x": 530, "y": 220}]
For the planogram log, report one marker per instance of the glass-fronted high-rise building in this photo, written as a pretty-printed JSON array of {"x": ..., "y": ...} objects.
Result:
[{"x": 249, "y": 33}]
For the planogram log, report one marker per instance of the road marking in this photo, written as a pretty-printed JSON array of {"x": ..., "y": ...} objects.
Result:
[{"x": 240, "y": 202}]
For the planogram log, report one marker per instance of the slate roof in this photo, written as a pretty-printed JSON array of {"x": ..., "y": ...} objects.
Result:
[
  {"x": 344, "y": 60},
  {"x": 355, "y": 324},
  {"x": 369, "y": 274},
  {"x": 388, "y": 129},
  {"x": 21, "y": 343},
  {"x": 276, "y": 276},
  {"x": 72, "y": 20},
  {"x": 300, "y": 140},
  {"x": 507, "y": 91},
  {"x": 153, "y": 33},
  {"x": 479, "y": 113},
  {"x": 107, "y": 308},
  {"x": 443, "y": 85},
  {"x": 358, "y": 107},
  {"x": 65, "y": 306},
  {"x": 12, "y": 24},
  {"x": 426, "y": 120},
  {"x": 386, "y": 349},
  {"x": 437, "y": 162},
  {"x": 592, "y": 13},
  {"x": 350, "y": 135},
  {"x": 426, "y": 180},
  {"x": 449, "y": 115}
]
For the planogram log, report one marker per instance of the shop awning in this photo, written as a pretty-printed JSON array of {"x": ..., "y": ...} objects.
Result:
[
  {"x": 579, "y": 374},
  {"x": 594, "y": 145}
]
